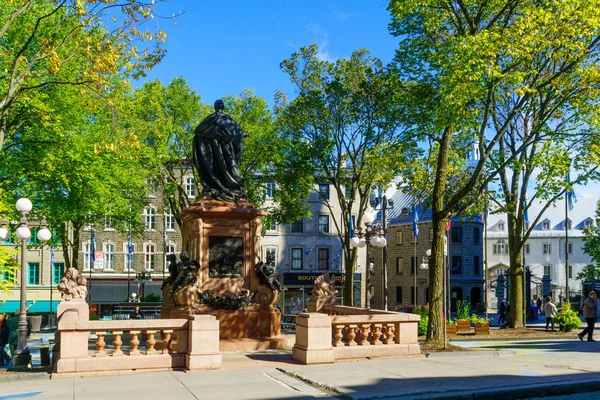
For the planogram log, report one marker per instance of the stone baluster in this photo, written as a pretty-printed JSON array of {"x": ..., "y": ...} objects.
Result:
[
  {"x": 376, "y": 329},
  {"x": 134, "y": 342},
  {"x": 352, "y": 335},
  {"x": 100, "y": 344},
  {"x": 338, "y": 336},
  {"x": 389, "y": 334},
  {"x": 150, "y": 342},
  {"x": 166, "y": 335},
  {"x": 117, "y": 343},
  {"x": 173, "y": 346},
  {"x": 364, "y": 334}
]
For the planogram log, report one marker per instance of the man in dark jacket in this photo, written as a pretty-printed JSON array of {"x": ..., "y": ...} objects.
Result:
[
  {"x": 4, "y": 357},
  {"x": 590, "y": 310}
]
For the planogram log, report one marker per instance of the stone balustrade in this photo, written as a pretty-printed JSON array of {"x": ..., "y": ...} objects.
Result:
[
  {"x": 340, "y": 332},
  {"x": 191, "y": 343}
]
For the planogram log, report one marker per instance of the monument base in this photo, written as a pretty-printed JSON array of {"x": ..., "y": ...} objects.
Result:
[{"x": 251, "y": 322}]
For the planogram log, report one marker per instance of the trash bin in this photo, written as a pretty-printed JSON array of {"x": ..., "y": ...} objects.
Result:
[
  {"x": 36, "y": 322},
  {"x": 45, "y": 356}
]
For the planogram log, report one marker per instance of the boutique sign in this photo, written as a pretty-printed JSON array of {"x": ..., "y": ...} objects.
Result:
[{"x": 308, "y": 278}]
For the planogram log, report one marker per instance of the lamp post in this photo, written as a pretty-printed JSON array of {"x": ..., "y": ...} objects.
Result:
[
  {"x": 374, "y": 235},
  {"x": 24, "y": 206},
  {"x": 141, "y": 278}
]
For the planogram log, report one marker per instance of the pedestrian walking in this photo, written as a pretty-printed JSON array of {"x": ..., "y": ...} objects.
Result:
[
  {"x": 590, "y": 306},
  {"x": 503, "y": 309},
  {"x": 13, "y": 333},
  {"x": 550, "y": 311},
  {"x": 4, "y": 357}
]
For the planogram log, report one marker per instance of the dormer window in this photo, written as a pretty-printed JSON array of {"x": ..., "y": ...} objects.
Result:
[
  {"x": 568, "y": 224},
  {"x": 404, "y": 212},
  {"x": 588, "y": 223},
  {"x": 546, "y": 225},
  {"x": 501, "y": 226}
]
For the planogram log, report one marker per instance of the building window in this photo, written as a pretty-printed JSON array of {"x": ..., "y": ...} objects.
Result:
[
  {"x": 108, "y": 223},
  {"x": 587, "y": 223},
  {"x": 348, "y": 192},
  {"x": 270, "y": 225},
  {"x": 323, "y": 259},
  {"x": 324, "y": 191},
  {"x": 476, "y": 235},
  {"x": 546, "y": 225},
  {"x": 169, "y": 249},
  {"x": 412, "y": 265},
  {"x": 501, "y": 226},
  {"x": 109, "y": 256},
  {"x": 150, "y": 218},
  {"x": 151, "y": 187},
  {"x": 456, "y": 234},
  {"x": 323, "y": 223},
  {"x": 58, "y": 269},
  {"x": 399, "y": 237},
  {"x": 33, "y": 273},
  {"x": 87, "y": 259},
  {"x": 399, "y": 265},
  {"x": 129, "y": 256},
  {"x": 456, "y": 266},
  {"x": 570, "y": 247},
  {"x": 297, "y": 226},
  {"x": 430, "y": 235},
  {"x": 169, "y": 222},
  {"x": 271, "y": 255},
  {"x": 149, "y": 256},
  {"x": 296, "y": 258},
  {"x": 399, "y": 295},
  {"x": 190, "y": 186},
  {"x": 476, "y": 265},
  {"x": 500, "y": 247},
  {"x": 412, "y": 295},
  {"x": 568, "y": 225},
  {"x": 547, "y": 248},
  {"x": 527, "y": 248},
  {"x": 547, "y": 270},
  {"x": 570, "y": 272},
  {"x": 270, "y": 190}
]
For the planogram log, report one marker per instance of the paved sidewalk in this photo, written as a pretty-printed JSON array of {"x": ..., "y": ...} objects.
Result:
[{"x": 504, "y": 370}]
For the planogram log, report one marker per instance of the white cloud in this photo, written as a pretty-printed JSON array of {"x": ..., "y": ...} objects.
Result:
[
  {"x": 317, "y": 30},
  {"x": 322, "y": 54}
]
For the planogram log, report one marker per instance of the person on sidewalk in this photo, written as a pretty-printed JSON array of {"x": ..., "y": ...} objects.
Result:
[
  {"x": 503, "y": 308},
  {"x": 590, "y": 306},
  {"x": 13, "y": 333},
  {"x": 4, "y": 357},
  {"x": 137, "y": 313},
  {"x": 550, "y": 311}
]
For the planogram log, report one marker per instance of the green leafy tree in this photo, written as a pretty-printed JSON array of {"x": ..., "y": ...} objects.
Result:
[
  {"x": 458, "y": 56},
  {"x": 591, "y": 247},
  {"x": 346, "y": 127},
  {"x": 79, "y": 43}
]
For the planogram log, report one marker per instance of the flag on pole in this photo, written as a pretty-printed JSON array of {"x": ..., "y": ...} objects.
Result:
[
  {"x": 165, "y": 240},
  {"x": 129, "y": 247},
  {"x": 415, "y": 218},
  {"x": 308, "y": 252},
  {"x": 571, "y": 198},
  {"x": 93, "y": 245},
  {"x": 52, "y": 256},
  {"x": 338, "y": 255}
]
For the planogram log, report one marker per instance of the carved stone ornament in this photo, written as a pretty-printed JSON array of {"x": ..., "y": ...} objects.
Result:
[
  {"x": 324, "y": 287},
  {"x": 229, "y": 301},
  {"x": 72, "y": 286},
  {"x": 268, "y": 291},
  {"x": 182, "y": 286}
]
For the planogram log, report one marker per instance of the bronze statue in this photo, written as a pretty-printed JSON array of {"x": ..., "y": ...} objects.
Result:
[
  {"x": 173, "y": 272},
  {"x": 218, "y": 147}
]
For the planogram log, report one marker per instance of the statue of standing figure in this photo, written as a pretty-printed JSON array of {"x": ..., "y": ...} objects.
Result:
[{"x": 218, "y": 146}]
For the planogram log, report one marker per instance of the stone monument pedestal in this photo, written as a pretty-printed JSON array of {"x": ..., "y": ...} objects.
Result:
[{"x": 225, "y": 239}]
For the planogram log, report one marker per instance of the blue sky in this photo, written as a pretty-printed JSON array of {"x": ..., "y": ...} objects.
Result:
[{"x": 222, "y": 48}]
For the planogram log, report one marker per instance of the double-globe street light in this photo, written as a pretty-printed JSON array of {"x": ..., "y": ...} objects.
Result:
[
  {"x": 141, "y": 278},
  {"x": 24, "y": 206},
  {"x": 373, "y": 234}
]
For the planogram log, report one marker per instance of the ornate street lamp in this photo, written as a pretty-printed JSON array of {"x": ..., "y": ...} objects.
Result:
[
  {"x": 375, "y": 236},
  {"x": 24, "y": 206},
  {"x": 141, "y": 278}
]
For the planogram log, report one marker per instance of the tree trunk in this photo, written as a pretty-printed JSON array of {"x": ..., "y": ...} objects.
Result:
[
  {"x": 350, "y": 267},
  {"x": 435, "y": 328},
  {"x": 515, "y": 301}
]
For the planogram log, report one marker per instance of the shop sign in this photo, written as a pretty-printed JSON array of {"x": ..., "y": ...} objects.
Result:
[{"x": 308, "y": 278}]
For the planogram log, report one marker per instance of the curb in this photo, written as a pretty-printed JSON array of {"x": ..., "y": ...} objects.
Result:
[
  {"x": 464, "y": 354},
  {"x": 506, "y": 393},
  {"x": 23, "y": 376}
]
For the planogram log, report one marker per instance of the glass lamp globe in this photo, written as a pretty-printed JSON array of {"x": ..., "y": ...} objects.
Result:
[
  {"x": 44, "y": 235},
  {"x": 24, "y": 205},
  {"x": 134, "y": 295},
  {"x": 428, "y": 253},
  {"x": 369, "y": 216},
  {"x": 3, "y": 233},
  {"x": 23, "y": 233},
  {"x": 362, "y": 242},
  {"x": 374, "y": 241},
  {"x": 382, "y": 241},
  {"x": 354, "y": 242}
]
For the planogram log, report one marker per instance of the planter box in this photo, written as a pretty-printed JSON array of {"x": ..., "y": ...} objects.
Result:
[
  {"x": 463, "y": 325},
  {"x": 483, "y": 329},
  {"x": 451, "y": 328}
]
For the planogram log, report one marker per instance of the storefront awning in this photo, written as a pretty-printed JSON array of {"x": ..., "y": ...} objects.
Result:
[
  {"x": 117, "y": 292},
  {"x": 33, "y": 306}
]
